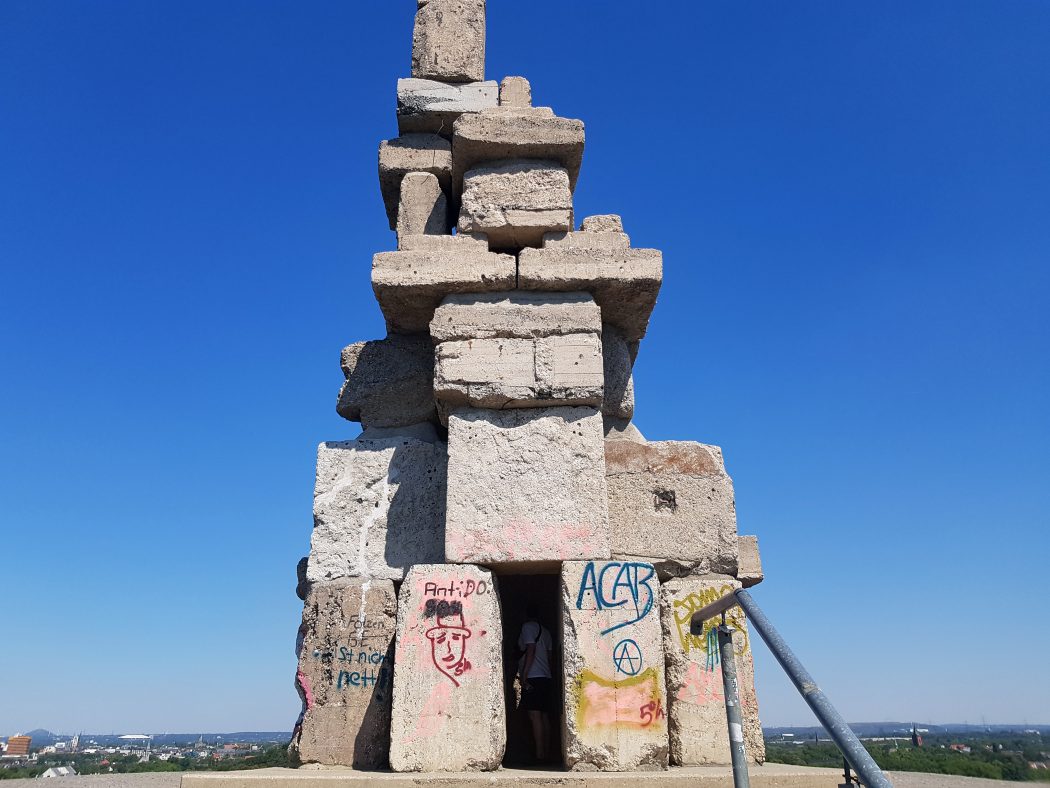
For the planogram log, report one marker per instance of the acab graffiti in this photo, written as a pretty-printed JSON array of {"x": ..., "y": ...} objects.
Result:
[{"x": 626, "y": 585}]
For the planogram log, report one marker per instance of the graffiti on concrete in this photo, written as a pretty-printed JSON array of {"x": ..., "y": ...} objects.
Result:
[
  {"x": 618, "y": 584},
  {"x": 627, "y": 657},
  {"x": 707, "y": 640},
  {"x": 632, "y": 702},
  {"x": 448, "y": 638}
]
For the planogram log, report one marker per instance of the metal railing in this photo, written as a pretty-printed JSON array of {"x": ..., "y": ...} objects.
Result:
[{"x": 852, "y": 750}]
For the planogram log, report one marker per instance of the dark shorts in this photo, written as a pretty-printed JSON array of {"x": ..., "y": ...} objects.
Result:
[{"x": 540, "y": 697}]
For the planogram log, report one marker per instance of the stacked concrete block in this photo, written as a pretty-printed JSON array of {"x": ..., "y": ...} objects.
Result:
[
  {"x": 410, "y": 284},
  {"x": 511, "y": 350},
  {"x": 615, "y": 697},
  {"x": 345, "y": 673},
  {"x": 624, "y": 281},
  {"x": 427, "y": 106},
  {"x": 498, "y": 439},
  {"x": 389, "y": 382},
  {"x": 448, "y": 42},
  {"x": 526, "y": 486},
  {"x": 671, "y": 502},
  {"x": 428, "y": 153},
  {"x": 516, "y": 202},
  {"x": 379, "y": 508},
  {"x": 699, "y": 733},
  {"x": 448, "y": 711}
]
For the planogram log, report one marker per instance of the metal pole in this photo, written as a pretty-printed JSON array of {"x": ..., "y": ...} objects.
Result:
[
  {"x": 733, "y": 716},
  {"x": 869, "y": 772}
]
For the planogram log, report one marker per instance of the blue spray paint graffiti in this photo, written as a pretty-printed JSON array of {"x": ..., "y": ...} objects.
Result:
[
  {"x": 627, "y": 657},
  {"x": 631, "y": 584}
]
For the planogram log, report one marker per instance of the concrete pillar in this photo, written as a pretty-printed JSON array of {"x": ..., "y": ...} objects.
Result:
[
  {"x": 615, "y": 701},
  {"x": 448, "y": 711}
]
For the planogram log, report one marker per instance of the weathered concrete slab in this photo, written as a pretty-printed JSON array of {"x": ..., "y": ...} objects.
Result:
[
  {"x": 493, "y": 135},
  {"x": 749, "y": 562},
  {"x": 427, "y": 106},
  {"x": 618, "y": 361},
  {"x": 769, "y": 775},
  {"x": 379, "y": 508},
  {"x": 411, "y": 153},
  {"x": 624, "y": 282},
  {"x": 409, "y": 285},
  {"x": 516, "y": 202},
  {"x": 389, "y": 382},
  {"x": 602, "y": 223},
  {"x": 422, "y": 208},
  {"x": 671, "y": 502},
  {"x": 514, "y": 314},
  {"x": 526, "y": 485},
  {"x": 697, "y": 712},
  {"x": 515, "y": 92},
  {"x": 615, "y": 701},
  {"x": 519, "y": 373},
  {"x": 459, "y": 243},
  {"x": 345, "y": 673},
  {"x": 448, "y": 41},
  {"x": 448, "y": 710}
]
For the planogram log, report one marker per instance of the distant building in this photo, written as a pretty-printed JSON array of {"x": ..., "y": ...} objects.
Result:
[
  {"x": 60, "y": 771},
  {"x": 18, "y": 746}
]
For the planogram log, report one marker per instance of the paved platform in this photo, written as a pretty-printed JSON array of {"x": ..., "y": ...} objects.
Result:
[{"x": 772, "y": 775}]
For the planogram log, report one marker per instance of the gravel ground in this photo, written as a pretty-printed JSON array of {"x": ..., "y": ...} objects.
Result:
[{"x": 171, "y": 780}]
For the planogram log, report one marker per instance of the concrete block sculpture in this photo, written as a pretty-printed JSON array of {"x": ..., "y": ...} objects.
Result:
[{"x": 498, "y": 452}]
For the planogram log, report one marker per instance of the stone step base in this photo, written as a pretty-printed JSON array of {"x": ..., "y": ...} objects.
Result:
[{"x": 770, "y": 775}]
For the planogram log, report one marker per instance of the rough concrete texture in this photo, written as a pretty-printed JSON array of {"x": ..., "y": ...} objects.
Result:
[
  {"x": 526, "y": 485},
  {"x": 409, "y": 285},
  {"x": 493, "y": 135},
  {"x": 601, "y": 223},
  {"x": 379, "y": 508},
  {"x": 618, "y": 361},
  {"x": 613, "y": 667},
  {"x": 345, "y": 674},
  {"x": 411, "y": 153},
  {"x": 671, "y": 502},
  {"x": 515, "y": 92},
  {"x": 697, "y": 712},
  {"x": 514, "y": 315},
  {"x": 448, "y": 711},
  {"x": 389, "y": 382},
  {"x": 448, "y": 41},
  {"x": 621, "y": 430},
  {"x": 460, "y": 243},
  {"x": 604, "y": 239},
  {"x": 422, "y": 208},
  {"x": 516, "y": 202},
  {"x": 426, "y": 106},
  {"x": 749, "y": 562},
  {"x": 624, "y": 282},
  {"x": 519, "y": 373}
]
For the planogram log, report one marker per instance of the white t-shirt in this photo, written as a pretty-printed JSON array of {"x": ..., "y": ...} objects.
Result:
[{"x": 532, "y": 632}]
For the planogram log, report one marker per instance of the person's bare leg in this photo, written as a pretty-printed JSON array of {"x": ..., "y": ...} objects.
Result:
[
  {"x": 546, "y": 722},
  {"x": 536, "y": 720}
]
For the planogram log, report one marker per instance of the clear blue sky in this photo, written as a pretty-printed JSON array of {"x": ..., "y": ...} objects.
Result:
[{"x": 853, "y": 201}]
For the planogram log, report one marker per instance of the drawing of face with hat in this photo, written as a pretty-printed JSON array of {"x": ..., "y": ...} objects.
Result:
[{"x": 448, "y": 642}]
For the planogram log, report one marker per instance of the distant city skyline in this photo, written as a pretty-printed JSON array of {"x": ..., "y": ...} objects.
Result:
[{"x": 851, "y": 202}]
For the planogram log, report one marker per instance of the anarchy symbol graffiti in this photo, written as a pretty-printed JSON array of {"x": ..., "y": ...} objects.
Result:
[{"x": 627, "y": 657}]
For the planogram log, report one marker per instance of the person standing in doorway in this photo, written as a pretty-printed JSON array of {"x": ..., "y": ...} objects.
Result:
[{"x": 537, "y": 684}]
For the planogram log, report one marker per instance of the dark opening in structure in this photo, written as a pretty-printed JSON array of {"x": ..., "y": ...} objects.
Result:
[{"x": 519, "y": 593}]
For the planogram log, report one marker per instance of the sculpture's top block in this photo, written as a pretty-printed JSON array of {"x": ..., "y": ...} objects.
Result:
[{"x": 448, "y": 41}]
